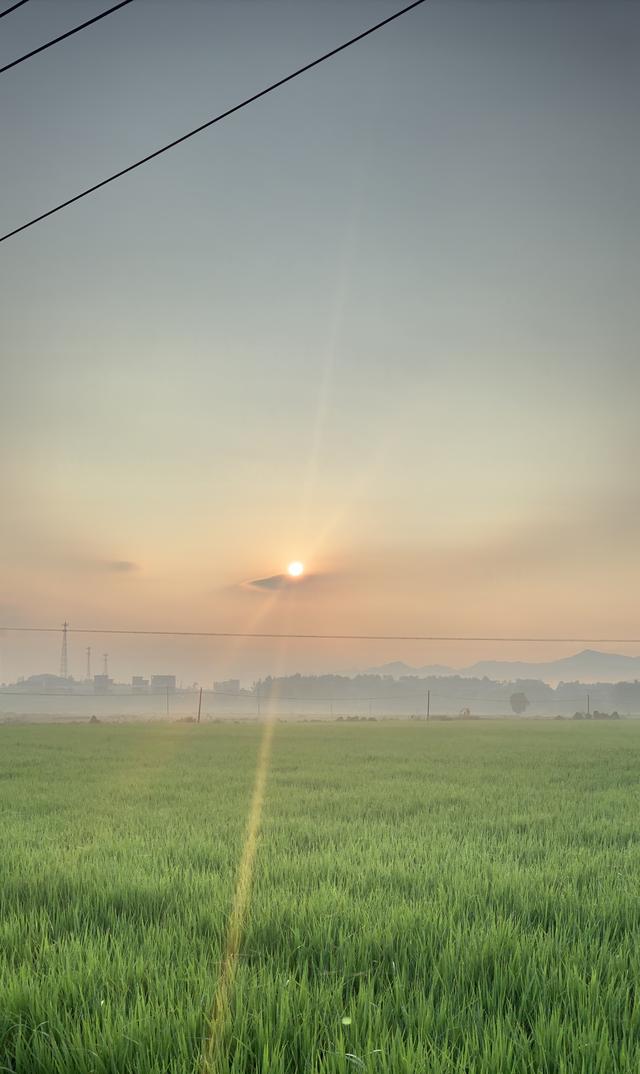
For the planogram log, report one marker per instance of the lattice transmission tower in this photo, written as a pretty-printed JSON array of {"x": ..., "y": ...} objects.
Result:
[{"x": 64, "y": 653}]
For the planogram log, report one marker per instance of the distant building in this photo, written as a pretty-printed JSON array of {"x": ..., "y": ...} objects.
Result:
[
  {"x": 139, "y": 684},
  {"x": 102, "y": 684},
  {"x": 227, "y": 686},
  {"x": 45, "y": 682},
  {"x": 164, "y": 683}
]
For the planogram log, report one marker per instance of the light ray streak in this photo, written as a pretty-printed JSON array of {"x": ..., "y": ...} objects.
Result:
[
  {"x": 212, "y": 1052},
  {"x": 238, "y": 645},
  {"x": 343, "y": 284},
  {"x": 221, "y": 1005}
]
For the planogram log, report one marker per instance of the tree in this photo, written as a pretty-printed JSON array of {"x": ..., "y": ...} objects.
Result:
[{"x": 519, "y": 702}]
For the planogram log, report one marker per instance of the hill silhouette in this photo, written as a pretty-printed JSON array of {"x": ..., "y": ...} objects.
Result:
[{"x": 587, "y": 666}]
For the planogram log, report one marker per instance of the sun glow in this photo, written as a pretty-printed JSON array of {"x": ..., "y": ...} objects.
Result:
[{"x": 295, "y": 569}]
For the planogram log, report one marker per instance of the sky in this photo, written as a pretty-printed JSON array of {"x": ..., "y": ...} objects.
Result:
[{"x": 384, "y": 321}]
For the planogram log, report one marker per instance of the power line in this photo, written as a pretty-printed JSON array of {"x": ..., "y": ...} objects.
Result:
[
  {"x": 61, "y": 37},
  {"x": 271, "y": 695},
  {"x": 209, "y": 122},
  {"x": 8, "y": 10},
  {"x": 275, "y": 698},
  {"x": 323, "y": 637},
  {"x": 556, "y": 700}
]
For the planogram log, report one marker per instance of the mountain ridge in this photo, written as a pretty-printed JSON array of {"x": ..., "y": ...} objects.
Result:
[{"x": 588, "y": 665}]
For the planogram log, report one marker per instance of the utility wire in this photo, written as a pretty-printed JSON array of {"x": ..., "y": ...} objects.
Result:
[
  {"x": 61, "y": 37},
  {"x": 209, "y": 122},
  {"x": 13, "y": 7},
  {"x": 321, "y": 637},
  {"x": 275, "y": 698}
]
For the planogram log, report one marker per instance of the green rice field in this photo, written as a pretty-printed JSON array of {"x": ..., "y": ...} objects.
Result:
[{"x": 439, "y": 898}]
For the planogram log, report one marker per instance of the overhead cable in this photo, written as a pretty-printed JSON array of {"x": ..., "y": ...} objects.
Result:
[
  {"x": 209, "y": 123},
  {"x": 510, "y": 638},
  {"x": 8, "y": 10},
  {"x": 61, "y": 37}
]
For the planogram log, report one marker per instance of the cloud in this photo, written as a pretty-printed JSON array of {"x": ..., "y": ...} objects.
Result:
[
  {"x": 281, "y": 581},
  {"x": 277, "y": 581},
  {"x": 120, "y": 566}
]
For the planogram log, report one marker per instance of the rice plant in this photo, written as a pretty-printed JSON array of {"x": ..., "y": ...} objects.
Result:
[{"x": 438, "y": 898}]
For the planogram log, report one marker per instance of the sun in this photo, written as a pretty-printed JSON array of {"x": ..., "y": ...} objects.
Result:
[{"x": 295, "y": 569}]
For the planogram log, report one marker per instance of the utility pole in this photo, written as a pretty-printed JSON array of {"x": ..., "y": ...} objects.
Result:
[
  {"x": 64, "y": 662},
  {"x": 199, "y": 704},
  {"x": 105, "y": 664},
  {"x": 428, "y": 703},
  {"x": 88, "y": 663},
  {"x": 588, "y": 705}
]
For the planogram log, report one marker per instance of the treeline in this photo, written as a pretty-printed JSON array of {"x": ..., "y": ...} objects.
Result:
[{"x": 448, "y": 694}]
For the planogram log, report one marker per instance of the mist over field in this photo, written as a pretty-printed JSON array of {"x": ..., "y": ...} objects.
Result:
[{"x": 420, "y": 693}]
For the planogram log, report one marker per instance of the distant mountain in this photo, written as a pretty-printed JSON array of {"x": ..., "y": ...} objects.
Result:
[
  {"x": 398, "y": 669},
  {"x": 590, "y": 665}
]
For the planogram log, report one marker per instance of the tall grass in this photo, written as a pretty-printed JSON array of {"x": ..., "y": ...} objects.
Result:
[{"x": 442, "y": 898}]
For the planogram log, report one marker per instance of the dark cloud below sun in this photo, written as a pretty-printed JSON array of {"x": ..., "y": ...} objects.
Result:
[{"x": 281, "y": 581}]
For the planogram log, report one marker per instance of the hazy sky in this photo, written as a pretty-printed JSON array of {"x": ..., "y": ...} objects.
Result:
[{"x": 384, "y": 321}]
